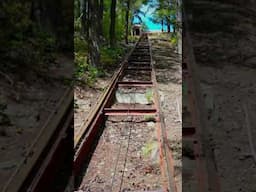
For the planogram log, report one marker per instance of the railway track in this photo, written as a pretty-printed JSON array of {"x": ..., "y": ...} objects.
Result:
[
  {"x": 135, "y": 76},
  {"x": 199, "y": 170},
  {"x": 41, "y": 170}
]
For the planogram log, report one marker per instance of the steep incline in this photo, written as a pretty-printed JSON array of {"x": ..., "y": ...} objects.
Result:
[{"x": 224, "y": 39}]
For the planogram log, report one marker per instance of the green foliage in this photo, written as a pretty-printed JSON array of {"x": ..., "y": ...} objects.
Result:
[
  {"x": 149, "y": 95},
  {"x": 34, "y": 53},
  {"x": 149, "y": 118},
  {"x": 80, "y": 44},
  {"x": 16, "y": 21},
  {"x": 166, "y": 12},
  {"x": 109, "y": 56},
  {"x": 84, "y": 72},
  {"x": 174, "y": 39},
  {"x": 149, "y": 148},
  {"x": 25, "y": 46},
  {"x": 133, "y": 39},
  {"x": 77, "y": 25},
  {"x": 80, "y": 64}
]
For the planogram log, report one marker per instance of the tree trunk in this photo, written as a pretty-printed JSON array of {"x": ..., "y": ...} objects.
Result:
[
  {"x": 101, "y": 10},
  {"x": 93, "y": 37},
  {"x": 162, "y": 23},
  {"x": 168, "y": 28},
  {"x": 84, "y": 7},
  {"x": 112, "y": 30},
  {"x": 127, "y": 15},
  {"x": 168, "y": 25},
  {"x": 35, "y": 12},
  {"x": 78, "y": 10},
  {"x": 179, "y": 29}
]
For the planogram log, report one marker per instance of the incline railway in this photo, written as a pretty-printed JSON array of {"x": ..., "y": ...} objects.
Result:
[
  {"x": 110, "y": 152},
  {"x": 199, "y": 171},
  {"x": 41, "y": 170}
]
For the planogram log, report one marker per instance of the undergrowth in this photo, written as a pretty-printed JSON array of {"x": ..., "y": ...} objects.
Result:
[
  {"x": 25, "y": 47},
  {"x": 174, "y": 39},
  {"x": 88, "y": 74}
]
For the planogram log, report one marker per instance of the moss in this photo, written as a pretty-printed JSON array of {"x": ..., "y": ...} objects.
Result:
[
  {"x": 149, "y": 118},
  {"x": 149, "y": 95},
  {"x": 148, "y": 148}
]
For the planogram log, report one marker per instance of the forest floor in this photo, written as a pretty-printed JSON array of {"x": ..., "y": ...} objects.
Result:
[
  {"x": 25, "y": 106},
  {"x": 86, "y": 97},
  {"x": 225, "y": 54},
  {"x": 132, "y": 141}
]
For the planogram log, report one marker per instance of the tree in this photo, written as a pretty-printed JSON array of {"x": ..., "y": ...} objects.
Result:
[
  {"x": 166, "y": 14},
  {"x": 127, "y": 16},
  {"x": 83, "y": 10},
  {"x": 112, "y": 23},
  {"x": 93, "y": 36},
  {"x": 98, "y": 22},
  {"x": 101, "y": 13}
]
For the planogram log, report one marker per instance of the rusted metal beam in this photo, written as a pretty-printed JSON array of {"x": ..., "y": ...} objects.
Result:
[
  {"x": 140, "y": 63},
  {"x": 136, "y": 60},
  {"x": 139, "y": 68},
  {"x": 140, "y": 55},
  {"x": 135, "y": 83},
  {"x": 126, "y": 111},
  {"x": 85, "y": 139},
  {"x": 48, "y": 170},
  {"x": 86, "y": 143},
  {"x": 166, "y": 159},
  {"x": 37, "y": 147},
  {"x": 206, "y": 173}
]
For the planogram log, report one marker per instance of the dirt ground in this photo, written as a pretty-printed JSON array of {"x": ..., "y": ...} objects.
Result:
[
  {"x": 225, "y": 54},
  {"x": 130, "y": 166},
  {"x": 169, "y": 78},
  {"x": 26, "y": 106},
  {"x": 85, "y": 98}
]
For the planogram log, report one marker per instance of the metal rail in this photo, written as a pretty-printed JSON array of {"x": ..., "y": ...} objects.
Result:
[
  {"x": 86, "y": 138},
  {"x": 196, "y": 132},
  {"x": 34, "y": 170}
]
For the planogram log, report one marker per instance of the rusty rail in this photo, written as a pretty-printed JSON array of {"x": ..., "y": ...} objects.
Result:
[
  {"x": 96, "y": 119},
  {"x": 196, "y": 132},
  {"x": 35, "y": 171}
]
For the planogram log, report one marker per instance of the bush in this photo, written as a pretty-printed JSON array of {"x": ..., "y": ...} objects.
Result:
[
  {"x": 174, "y": 39},
  {"x": 24, "y": 46},
  {"x": 109, "y": 56}
]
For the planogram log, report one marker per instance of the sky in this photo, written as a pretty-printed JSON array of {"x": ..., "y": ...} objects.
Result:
[{"x": 146, "y": 19}]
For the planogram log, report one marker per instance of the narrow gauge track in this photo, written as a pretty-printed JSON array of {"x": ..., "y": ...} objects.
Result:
[
  {"x": 41, "y": 170},
  {"x": 136, "y": 72},
  {"x": 199, "y": 170}
]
